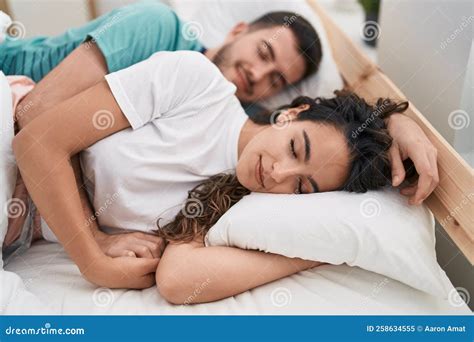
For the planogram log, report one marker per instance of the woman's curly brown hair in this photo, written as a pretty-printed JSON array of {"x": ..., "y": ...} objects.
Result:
[{"x": 205, "y": 204}]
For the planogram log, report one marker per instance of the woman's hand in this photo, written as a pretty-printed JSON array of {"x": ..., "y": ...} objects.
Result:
[
  {"x": 122, "y": 272},
  {"x": 137, "y": 244}
]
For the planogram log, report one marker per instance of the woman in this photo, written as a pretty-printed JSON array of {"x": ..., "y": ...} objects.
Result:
[{"x": 187, "y": 126}]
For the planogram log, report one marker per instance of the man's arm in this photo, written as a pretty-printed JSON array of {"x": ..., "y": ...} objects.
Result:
[
  {"x": 43, "y": 151},
  {"x": 409, "y": 141},
  {"x": 83, "y": 68},
  {"x": 80, "y": 70}
]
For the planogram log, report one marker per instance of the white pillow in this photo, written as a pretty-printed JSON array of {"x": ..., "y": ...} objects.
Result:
[
  {"x": 213, "y": 19},
  {"x": 377, "y": 231},
  {"x": 7, "y": 160}
]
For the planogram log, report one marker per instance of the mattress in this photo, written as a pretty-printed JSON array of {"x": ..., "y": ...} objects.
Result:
[{"x": 50, "y": 283}]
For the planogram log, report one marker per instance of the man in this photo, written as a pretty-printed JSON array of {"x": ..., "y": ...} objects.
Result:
[
  {"x": 260, "y": 58},
  {"x": 254, "y": 57}
]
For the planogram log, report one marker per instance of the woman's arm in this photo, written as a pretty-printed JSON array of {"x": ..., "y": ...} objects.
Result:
[
  {"x": 190, "y": 273},
  {"x": 43, "y": 151}
]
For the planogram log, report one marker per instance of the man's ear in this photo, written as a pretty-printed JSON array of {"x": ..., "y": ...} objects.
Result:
[{"x": 237, "y": 30}]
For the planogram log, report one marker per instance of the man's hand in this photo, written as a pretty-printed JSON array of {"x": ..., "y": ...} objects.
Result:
[
  {"x": 137, "y": 244},
  {"x": 122, "y": 272},
  {"x": 409, "y": 141}
]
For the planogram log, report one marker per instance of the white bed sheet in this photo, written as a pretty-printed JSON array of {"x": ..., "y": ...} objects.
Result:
[{"x": 51, "y": 277}]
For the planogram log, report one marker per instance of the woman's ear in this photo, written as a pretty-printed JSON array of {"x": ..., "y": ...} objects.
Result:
[
  {"x": 237, "y": 30},
  {"x": 292, "y": 113}
]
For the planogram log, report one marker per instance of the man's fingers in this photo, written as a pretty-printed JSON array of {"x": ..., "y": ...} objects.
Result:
[
  {"x": 128, "y": 253},
  {"x": 140, "y": 250},
  {"x": 425, "y": 181},
  {"x": 149, "y": 265},
  {"x": 398, "y": 171},
  {"x": 150, "y": 237},
  {"x": 433, "y": 157},
  {"x": 153, "y": 247},
  {"x": 409, "y": 190},
  {"x": 146, "y": 281}
]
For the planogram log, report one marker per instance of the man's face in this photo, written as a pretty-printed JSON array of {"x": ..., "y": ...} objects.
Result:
[{"x": 260, "y": 62}]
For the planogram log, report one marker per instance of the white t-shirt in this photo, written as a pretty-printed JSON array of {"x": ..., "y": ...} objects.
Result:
[{"x": 185, "y": 126}]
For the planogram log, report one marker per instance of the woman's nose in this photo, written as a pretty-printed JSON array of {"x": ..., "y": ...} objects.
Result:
[{"x": 281, "y": 173}]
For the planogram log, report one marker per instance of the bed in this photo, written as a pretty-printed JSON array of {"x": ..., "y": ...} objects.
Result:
[
  {"x": 45, "y": 281},
  {"x": 331, "y": 290}
]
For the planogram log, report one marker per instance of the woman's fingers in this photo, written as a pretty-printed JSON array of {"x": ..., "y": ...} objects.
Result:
[{"x": 136, "y": 244}]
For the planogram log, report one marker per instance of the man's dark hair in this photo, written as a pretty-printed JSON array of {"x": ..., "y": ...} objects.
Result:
[{"x": 308, "y": 41}]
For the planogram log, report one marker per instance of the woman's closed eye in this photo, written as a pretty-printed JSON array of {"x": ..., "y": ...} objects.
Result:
[
  {"x": 299, "y": 183},
  {"x": 292, "y": 148}
]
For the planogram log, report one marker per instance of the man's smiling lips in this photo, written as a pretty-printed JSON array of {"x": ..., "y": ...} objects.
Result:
[{"x": 243, "y": 80}]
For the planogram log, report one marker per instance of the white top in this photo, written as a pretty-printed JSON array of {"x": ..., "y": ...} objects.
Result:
[{"x": 185, "y": 123}]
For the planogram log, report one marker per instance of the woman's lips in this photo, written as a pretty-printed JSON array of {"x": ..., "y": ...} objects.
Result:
[{"x": 259, "y": 172}]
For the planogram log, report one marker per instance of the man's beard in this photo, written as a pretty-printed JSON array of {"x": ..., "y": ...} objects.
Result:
[{"x": 222, "y": 58}]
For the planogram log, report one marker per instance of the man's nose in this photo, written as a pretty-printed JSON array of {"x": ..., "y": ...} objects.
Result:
[{"x": 260, "y": 71}]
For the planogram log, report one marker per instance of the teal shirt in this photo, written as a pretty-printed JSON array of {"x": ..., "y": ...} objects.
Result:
[{"x": 125, "y": 36}]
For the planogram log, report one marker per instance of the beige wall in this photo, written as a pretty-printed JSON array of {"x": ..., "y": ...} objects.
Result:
[
  {"x": 425, "y": 48},
  {"x": 51, "y": 17},
  {"x": 48, "y": 17}
]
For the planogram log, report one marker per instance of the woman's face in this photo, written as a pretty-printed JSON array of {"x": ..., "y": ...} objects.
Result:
[{"x": 295, "y": 157}]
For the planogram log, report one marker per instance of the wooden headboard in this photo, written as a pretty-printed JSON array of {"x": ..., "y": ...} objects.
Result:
[{"x": 452, "y": 202}]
